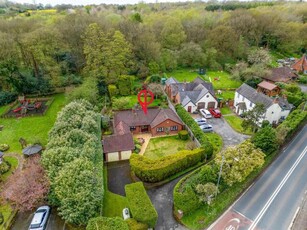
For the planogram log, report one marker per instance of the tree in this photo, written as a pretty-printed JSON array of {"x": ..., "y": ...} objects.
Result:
[
  {"x": 88, "y": 91},
  {"x": 206, "y": 192},
  {"x": 79, "y": 190},
  {"x": 266, "y": 140},
  {"x": 254, "y": 117},
  {"x": 27, "y": 188},
  {"x": 156, "y": 89},
  {"x": 125, "y": 84},
  {"x": 259, "y": 56},
  {"x": 239, "y": 161},
  {"x": 191, "y": 55},
  {"x": 120, "y": 103}
]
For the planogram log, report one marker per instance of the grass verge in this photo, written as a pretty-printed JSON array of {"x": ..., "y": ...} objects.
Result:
[
  {"x": 236, "y": 123},
  {"x": 216, "y": 141}
]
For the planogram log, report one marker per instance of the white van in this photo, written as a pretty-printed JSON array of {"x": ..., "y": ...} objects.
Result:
[{"x": 206, "y": 114}]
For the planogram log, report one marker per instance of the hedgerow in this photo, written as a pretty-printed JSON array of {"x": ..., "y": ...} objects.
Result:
[
  {"x": 157, "y": 170},
  {"x": 140, "y": 205},
  {"x": 135, "y": 225},
  {"x": 106, "y": 223}
]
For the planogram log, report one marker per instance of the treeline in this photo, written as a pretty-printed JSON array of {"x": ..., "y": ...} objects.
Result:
[
  {"x": 237, "y": 5},
  {"x": 48, "y": 49}
]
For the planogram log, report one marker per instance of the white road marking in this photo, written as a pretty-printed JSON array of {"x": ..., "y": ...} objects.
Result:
[
  {"x": 268, "y": 203},
  {"x": 295, "y": 214}
]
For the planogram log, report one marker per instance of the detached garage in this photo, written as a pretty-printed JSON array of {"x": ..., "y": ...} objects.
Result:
[{"x": 118, "y": 147}]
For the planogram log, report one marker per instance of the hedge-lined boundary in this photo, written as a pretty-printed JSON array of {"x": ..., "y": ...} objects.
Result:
[
  {"x": 105, "y": 223},
  {"x": 157, "y": 170},
  {"x": 198, "y": 133},
  {"x": 140, "y": 205}
]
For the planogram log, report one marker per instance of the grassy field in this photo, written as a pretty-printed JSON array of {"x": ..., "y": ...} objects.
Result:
[
  {"x": 164, "y": 146},
  {"x": 226, "y": 95},
  {"x": 32, "y": 129},
  {"x": 133, "y": 100}
]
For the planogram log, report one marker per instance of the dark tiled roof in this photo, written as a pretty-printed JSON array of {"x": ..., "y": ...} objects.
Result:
[
  {"x": 281, "y": 74},
  {"x": 163, "y": 115},
  {"x": 171, "y": 80},
  {"x": 284, "y": 104},
  {"x": 267, "y": 85},
  {"x": 117, "y": 143},
  {"x": 255, "y": 97},
  {"x": 122, "y": 128}
]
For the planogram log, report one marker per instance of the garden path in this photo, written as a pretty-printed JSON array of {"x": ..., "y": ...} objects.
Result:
[
  {"x": 19, "y": 158},
  {"x": 146, "y": 137}
]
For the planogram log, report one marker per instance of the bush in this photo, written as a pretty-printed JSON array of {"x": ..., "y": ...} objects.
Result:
[
  {"x": 105, "y": 223},
  {"x": 113, "y": 91},
  {"x": 134, "y": 225},
  {"x": 157, "y": 170},
  {"x": 7, "y": 97},
  {"x": 125, "y": 84},
  {"x": 1, "y": 218},
  {"x": 185, "y": 200},
  {"x": 140, "y": 205},
  {"x": 4, "y": 167},
  {"x": 4, "y": 147},
  {"x": 183, "y": 135},
  {"x": 198, "y": 133},
  {"x": 266, "y": 140}
]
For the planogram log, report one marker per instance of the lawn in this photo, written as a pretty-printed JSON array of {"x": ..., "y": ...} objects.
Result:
[
  {"x": 7, "y": 213},
  {"x": 226, "y": 110},
  {"x": 133, "y": 100},
  {"x": 32, "y": 129},
  {"x": 236, "y": 123},
  {"x": 164, "y": 146},
  {"x": 14, "y": 163},
  {"x": 216, "y": 140},
  {"x": 226, "y": 95}
]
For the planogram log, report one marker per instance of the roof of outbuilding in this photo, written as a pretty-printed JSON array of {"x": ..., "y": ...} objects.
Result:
[
  {"x": 267, "y": 85},
  {"x": 280, "y": 74},
  {"x": 117, "y": 143}
]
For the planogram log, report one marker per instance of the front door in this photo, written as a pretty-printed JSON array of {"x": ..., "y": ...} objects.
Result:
[
  {"x": 189, "y": 109},
  {"x": 144, "y": 128}
]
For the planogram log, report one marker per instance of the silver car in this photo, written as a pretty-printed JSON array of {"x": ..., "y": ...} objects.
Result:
[
  {"x": 206, "y": 128},
  {"x": 40, "y": 218},
  {"x": 200, "y": 121}
]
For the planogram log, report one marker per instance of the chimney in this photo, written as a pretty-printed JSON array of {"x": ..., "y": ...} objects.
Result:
[{"x": 275, "y": 100}]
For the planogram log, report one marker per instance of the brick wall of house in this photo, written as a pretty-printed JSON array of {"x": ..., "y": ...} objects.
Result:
[
  {"x": 166, "y": 125},
  {"x": 177, "y": 99}
]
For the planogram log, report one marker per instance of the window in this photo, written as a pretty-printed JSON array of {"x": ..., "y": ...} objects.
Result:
[
  {"x": 238, "y": 96},
  {"x": 207, "y": 96},
  {"x": 132, "y": 128},
  {"x": 243, "y": 98},
  {"x": 174, "y": 128},
  {"x": 160, "y": 129},
  {"x": 251, "y": 104}
]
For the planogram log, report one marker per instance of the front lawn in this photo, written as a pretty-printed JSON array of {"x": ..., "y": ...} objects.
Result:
[
  {"x": 236, "y": 123},
  {"x": 226, "y": 95},
  {"x": 32, "y": 129},
  {"x": 14, "y": 163},
  {"x": 216, "y": 141},
  {"x": 164, "y": 146},
  {"x": 226, "y": 110}
]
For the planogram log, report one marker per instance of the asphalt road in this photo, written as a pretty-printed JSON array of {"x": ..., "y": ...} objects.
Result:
[{"x": 272, "y": 201}]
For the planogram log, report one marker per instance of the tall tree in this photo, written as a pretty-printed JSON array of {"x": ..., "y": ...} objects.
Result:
[{"x": 254, "y": 117}]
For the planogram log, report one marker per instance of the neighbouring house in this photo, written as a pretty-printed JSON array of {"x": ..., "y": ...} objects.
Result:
[
  {"x": 268, "y": 89},
  {"x": 1, "y": 157},
  {"x": 193, "y": 96},
  {"x": 281, "y": 74},
  {"x": 157, "y": 121},
  {"x": 300, "y": 66},
  {"x": 246, "y": 97}
]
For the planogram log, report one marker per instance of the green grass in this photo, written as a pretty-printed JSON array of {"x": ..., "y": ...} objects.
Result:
[
  {"x": 236, "y": 123},
  {"x": 163, "y": 146},
  {"x": 216, "y": 140},
  {"x": 226, "y": 110},
  {"x": 226, "y": 95},
  {"x": 133, "y": 100},
  {"x": 14, "y": 163},
  {"x": 32, "y": 129},
  {"x": 184, "y": 74},
  {"x": 6, "y": 211}
]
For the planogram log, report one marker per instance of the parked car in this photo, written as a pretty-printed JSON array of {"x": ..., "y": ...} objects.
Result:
[
  {"x": 126, "y": 213},
  {"x": 40, "y": 218},
  {"x": 206, "y": 114},
  {"x": 215, "y": 113},
  {"x": 200, "y": 121},
  {"x": 206, "y": 128}
]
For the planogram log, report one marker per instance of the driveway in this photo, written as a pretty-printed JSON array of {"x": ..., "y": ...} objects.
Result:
[{"x": 221, "y": 127}]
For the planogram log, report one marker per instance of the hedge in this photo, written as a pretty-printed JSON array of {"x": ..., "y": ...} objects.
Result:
[
  {"x": 7, "y": 97},
  {"x": 134, "y": 225},
  {"x": 140, "y": 205},
  {"x": 105, "y": 223},
  {"x": 198, "y": 133},
  {"x": 157, "y": 170},
  {"x": 183, "y": 135}
]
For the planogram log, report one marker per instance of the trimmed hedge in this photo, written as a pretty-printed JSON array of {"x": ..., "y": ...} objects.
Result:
[
  {"x": 134, "y": 225},
  {"x": 198, "y": 133},
  {"x": 7, "y": 97},
  {"x": 105, "y": 223},
  {"x": 186, "y": 200},
  {"x": 183, "y": 135},
  {"x": 140, "y": 205},
  {"x": 157, "y": 170}
]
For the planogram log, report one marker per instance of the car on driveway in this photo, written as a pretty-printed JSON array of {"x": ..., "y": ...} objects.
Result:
[
  {"x": 206, "y": 128},
  {"x": 126, "y": 213},
  {"x": 40, "y": 218},
  {"x": 215, "y": 113},
  {"x": 205, "y": 113},
  {"x": 200, "y": 121}
]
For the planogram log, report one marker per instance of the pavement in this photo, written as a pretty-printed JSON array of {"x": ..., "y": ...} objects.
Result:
[
  {"x": 272, "y": 201},
  {"x": 300, "y": 219}
]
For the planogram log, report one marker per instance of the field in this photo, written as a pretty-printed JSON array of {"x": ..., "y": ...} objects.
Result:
[{"x": 32, "y": 129}]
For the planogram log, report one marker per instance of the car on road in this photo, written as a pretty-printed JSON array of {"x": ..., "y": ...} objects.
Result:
[
  {"x": 215, "y": 113},
  {"x": 206, "y": 128},
  {"x": 200, "y": 121},
  {"x": 40, "y": 218},
  {"x": 126, "y": 213},
  {"x": 205, "y": 113}
]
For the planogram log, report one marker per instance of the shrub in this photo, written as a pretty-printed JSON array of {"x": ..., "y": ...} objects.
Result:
[
  {"x": 113, "y": 91},
  {"x": 125, "y": 84},
  {"x": 134, "y": 225},
  {"x": 266, "y": 140},
  {"x": 185, "y": 200},
  {"x": 7, "y": 97},
  {"x": 157, "y": 170},
  {"x": 4, "y": 147},
  {"x": 198, "y": 133},
  {"x": 4, "y": 167},
  {"x": 105, "y": 223},
  {"x": 1, "y": 218},
  {"x": 140, "y": 205},
  {"x": 183, "y": 135}
]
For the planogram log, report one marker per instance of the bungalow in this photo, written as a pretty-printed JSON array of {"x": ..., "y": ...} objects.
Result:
[
  {"x": 281, "y": 74},
  {"x": 193, "y": 96},
  {"x": 246, "y": 98},
  {"x": 128, "y": 122},
  {"x": 300, "y": 66}
]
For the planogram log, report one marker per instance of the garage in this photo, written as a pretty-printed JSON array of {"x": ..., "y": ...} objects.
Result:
[
  {"x": 201, "y": 105},
  {"x": 211, "y": 104}
]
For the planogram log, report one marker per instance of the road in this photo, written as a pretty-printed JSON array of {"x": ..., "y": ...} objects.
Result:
[{"x": 273, "y": 200}]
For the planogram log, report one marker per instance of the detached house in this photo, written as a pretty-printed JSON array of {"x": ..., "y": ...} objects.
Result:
[
  {"x": 128, "y": 122},
  {"x": 276, "y": 108},
  {"x": 281, "y": 74},
  {"x": 194, "y": 95},
  {"x": 300, "y": 66}
]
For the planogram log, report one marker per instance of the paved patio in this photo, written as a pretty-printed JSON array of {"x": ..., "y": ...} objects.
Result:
[{"x": 146, "y": 137}]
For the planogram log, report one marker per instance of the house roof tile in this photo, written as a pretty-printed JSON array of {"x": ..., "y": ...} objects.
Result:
[
  {"x": 117, "y": 143},
  {"x": 281, "y": 74},
  {"x": 301, "y": 64}
]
